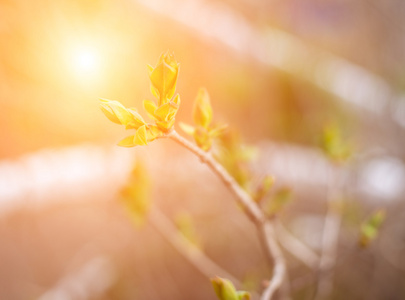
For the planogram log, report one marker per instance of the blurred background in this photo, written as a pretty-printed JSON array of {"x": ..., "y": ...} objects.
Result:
[{"x": 276, "y": 71}]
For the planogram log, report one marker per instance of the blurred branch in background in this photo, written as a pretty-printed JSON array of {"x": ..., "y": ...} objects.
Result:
[
  {"x": 330, "y": 234},
  {"x": 188, "y": 250},
  {"x": 72, "y": 173},
  {"x": 91, "y": 281},
  {"x": 297, "y": 248}
]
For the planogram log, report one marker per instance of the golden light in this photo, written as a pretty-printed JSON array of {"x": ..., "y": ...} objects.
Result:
[{"x": 85, "y": 63}]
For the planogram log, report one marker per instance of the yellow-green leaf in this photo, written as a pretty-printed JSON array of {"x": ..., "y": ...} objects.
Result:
[
  {"x": 370, "y": 228},
  {"x": 150, "y": 69},
  {"x": 187, "y": 128},
  {"x": 218, "y": 130},
  {"x": 164, "y": 77},
  {"x": 243, "y": 295},
  {"x": 333, "y": 144},
  {"x": 137, "y": 120},
  {"x": 277, "y": 202},
  {"x": 202, "y": 112},
  {"x": 117, "y": 113},
  {"x": 185, "y": 225},
  {"x": 264, "y": 187},
  {"x": 224, "y": 289},
  {"x": 153, "y": 132},
  {"x": 136, "y": 194},
  {"x": 165, "y": 125},
  {"x": 166, "y": 111},
  {"x": 127, "y": 142},
  {"x": 108, "y": 112},
  {"x": 150, "y": 108},
  {"x": 141, "y": 136},
  {"x": 202, "y": 138}
]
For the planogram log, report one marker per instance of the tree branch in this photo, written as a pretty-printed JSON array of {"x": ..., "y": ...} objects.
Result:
[
  {"x": 194, "y": 255},
  {"x": 264, "y": 226},
  {"x": 297, "y": 248},
  {"x": 330, "y": 237}
]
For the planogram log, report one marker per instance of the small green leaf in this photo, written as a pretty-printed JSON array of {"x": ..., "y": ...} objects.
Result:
[
  {"x": 108, "y": 112},
  {"x": 137, "y": 120},
  {"x": 127, "y": 142},
  {"x": 166, "y": 111},
  {"x": 150, "y": 108},
  {"x": 370, "y": 228},
  {"x": 264, "y": 187},
  {"x": 202, "y": 138},
  {"x": 164, "y": 77},
  {"x": 242, "y": 295},
  {"x": 153, "y": 132},
  {"x": 224, "y": 289},
  {"x": 141, "y": 136},
  {"x": 218, "y": 130},
  {"x": 277, "y": 202},
  {"x": 202, "y": 111},
  {"x": 187, "y": 128},
  {"x": 136, "y": 194},
  {"x": 185, "y": 225},
  {"x": 333, "y": 144}
]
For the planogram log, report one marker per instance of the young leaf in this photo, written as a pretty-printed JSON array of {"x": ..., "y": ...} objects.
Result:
[
  {"x": 164, "y": 77},
  {"x": 242, "y": 295},
  {"x": 333, "y": 144},
  {"x": 127, "y": 142},
  {"x": 150, "y": 108},
  {"x": 224, "y": 289},
  {"x": 141, "y": 137},
  {"x": 202, "y": 138},
  {"x": 136, "y": 194},
  {"x": 187, "y": 128},
  {"x": 277, "y": 202},
  {"x": 202, "y": 111},
  {"x": 370, "y": 228},
  {"x": 264, "y": 187},
  {"x": 186, "y": 227}
]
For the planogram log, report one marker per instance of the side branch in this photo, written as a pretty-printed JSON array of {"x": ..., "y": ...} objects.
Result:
[
  {"x": 244, "y": 199},
  {"x": 194, "y": 255},
  {"x": 265, "y": 227},
  {"x": 279, "y": 270}
]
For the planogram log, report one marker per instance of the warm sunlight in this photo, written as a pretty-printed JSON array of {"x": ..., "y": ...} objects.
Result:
[{"x": 85, "y": 61}]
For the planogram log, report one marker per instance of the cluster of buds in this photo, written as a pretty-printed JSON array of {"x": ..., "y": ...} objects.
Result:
[
  {"x": 163, "y": 79},
  {"x": 203, "y": 131}
]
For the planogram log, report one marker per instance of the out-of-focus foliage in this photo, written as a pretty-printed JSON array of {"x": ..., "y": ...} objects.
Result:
[
  {"x": 333, "y": 144},
  {"x": 370, "y": 228},
  {"x": 136, "y": 195},
  {"x": 225, "y": 290},
  {"x": 185, "y": 225},
  {"x": 277, "y": 202},
  {"x": 235, "y": 157},
  {"x": 263, "y": 188}
]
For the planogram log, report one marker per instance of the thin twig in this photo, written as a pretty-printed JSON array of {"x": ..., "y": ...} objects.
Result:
[
  {"x": 279, "y": 269},
  {"x": 264, "y": 226},
  {"x": 194, "y": 255},
  {"x": 330, "y": 238},
  {"x": 297, "y": 248}
]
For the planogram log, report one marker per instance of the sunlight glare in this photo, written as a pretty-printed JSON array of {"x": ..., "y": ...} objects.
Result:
[{"x": 85, "y": 62}]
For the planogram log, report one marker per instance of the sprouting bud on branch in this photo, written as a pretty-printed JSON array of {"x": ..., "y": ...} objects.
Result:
[
  {"x": 163, "y": 85},
  {"x": 203, "y": 132},
  {"x": 225, "y": 290}
]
